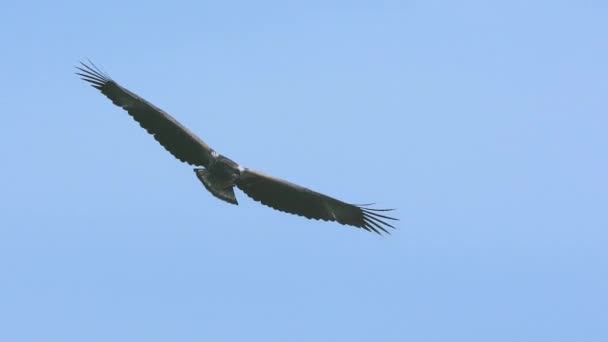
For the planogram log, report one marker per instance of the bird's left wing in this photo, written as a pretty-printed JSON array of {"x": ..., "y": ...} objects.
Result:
[
  {"x": 174, "y": 137},
  {"x": 294, "y": 199}
]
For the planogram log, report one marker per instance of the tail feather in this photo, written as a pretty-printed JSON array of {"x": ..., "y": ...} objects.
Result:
[{"x": 217, "y": 187}]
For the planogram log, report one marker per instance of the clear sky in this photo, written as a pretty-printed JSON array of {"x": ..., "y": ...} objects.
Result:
[{"x": 483, "y": 122}]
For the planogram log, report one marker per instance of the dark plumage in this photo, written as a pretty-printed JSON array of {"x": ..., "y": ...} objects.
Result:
[{"x": 220, "y": 175}]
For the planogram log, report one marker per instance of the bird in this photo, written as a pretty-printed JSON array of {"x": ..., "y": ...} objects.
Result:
[{"x": 220, "y": 175}]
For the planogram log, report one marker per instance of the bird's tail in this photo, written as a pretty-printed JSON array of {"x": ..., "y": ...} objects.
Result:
[{"x": 217, "y": 187}]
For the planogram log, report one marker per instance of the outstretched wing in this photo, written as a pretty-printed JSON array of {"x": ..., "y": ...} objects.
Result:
[
  {"x": 175, "y": 138},
  {"x": 294, "y": 199}
]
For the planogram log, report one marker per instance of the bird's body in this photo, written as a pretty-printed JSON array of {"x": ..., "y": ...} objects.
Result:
[{"x": 220, "y": 175}]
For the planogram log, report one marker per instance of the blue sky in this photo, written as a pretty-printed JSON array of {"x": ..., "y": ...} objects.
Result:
[{"x": 484, "y": 123}]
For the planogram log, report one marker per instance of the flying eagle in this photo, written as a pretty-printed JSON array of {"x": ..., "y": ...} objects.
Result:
[{"x": 220, "y": 175}]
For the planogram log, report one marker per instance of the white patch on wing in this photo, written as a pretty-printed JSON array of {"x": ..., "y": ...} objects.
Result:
[{"x": 330, "y": 210}]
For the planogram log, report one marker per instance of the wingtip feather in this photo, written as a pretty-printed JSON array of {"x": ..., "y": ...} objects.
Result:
[{"x": 92, "y": 74}]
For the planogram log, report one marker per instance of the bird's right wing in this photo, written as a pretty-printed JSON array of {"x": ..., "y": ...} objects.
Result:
[
  {"x": 294, "y": 199},
  {"x": 175, "y": 138}
]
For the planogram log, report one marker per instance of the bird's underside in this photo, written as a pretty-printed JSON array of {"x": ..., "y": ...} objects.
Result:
[{"x": 220, "y": 175}]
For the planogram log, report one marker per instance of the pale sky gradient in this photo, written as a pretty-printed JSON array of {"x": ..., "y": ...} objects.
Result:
[{"x": 484, "y": 123}]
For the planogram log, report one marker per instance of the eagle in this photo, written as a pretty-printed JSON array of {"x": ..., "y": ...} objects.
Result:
[{"x": 220, "y": 175}]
